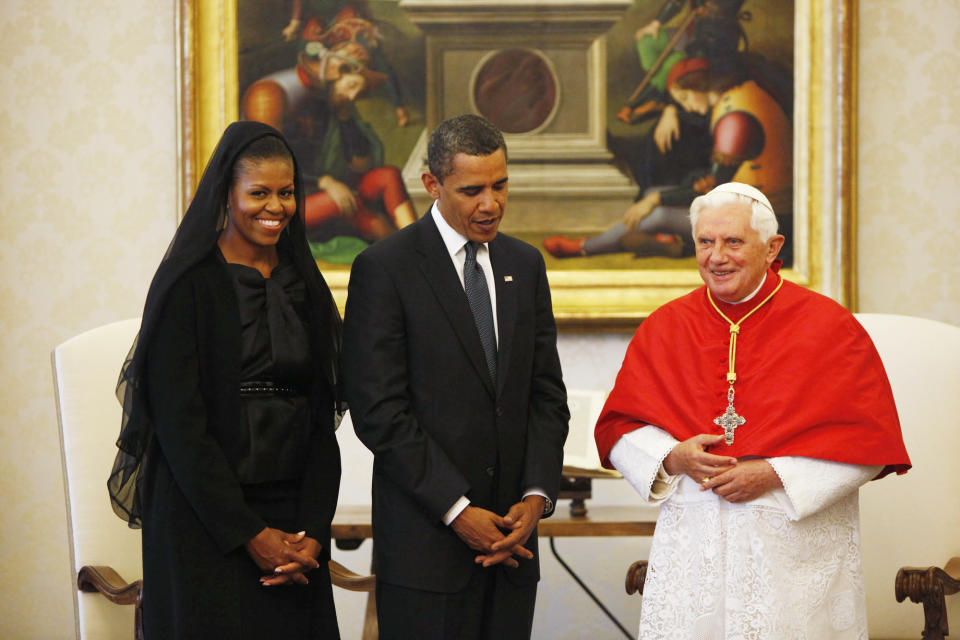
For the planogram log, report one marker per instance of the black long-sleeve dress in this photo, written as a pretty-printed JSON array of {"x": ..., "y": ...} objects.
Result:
[{"x": 244, "y": 439}]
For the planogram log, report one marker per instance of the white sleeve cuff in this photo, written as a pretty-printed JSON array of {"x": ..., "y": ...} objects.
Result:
[
  {"x": 458, "y": 506},
  {"x": 547, "y": 502},
  {"x": 639, "y": 456},
  {"x": 811, "y": 484}
]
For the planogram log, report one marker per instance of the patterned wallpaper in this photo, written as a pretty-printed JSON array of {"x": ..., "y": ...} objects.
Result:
[
  {"x": 87, "y": 179},
  {"x": 909, "y": 173}
]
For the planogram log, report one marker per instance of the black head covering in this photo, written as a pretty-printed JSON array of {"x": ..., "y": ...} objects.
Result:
[{"x": 194, "y": 240}]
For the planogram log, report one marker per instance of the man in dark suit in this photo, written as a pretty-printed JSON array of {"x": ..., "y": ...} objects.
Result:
[{"x": 454, "y": 383}]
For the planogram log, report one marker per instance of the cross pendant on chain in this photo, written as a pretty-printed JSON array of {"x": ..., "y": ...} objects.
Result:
[{"x": 729, "y": 420}]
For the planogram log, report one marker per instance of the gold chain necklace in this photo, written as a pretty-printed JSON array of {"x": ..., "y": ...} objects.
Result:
[{"x": 729, "y": 420}]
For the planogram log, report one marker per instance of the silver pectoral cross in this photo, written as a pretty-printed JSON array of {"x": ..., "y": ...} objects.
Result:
[{"x": 729, "y": 421}]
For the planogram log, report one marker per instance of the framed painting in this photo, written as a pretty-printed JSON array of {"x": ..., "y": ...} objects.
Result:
[{"x": 608, "y": 107}]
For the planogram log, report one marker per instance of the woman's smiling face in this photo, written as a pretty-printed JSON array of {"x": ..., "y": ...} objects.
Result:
[{"x": 261, "y": 202}]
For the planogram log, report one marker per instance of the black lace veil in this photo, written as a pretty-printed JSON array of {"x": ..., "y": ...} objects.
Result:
[{"x": 195, "y": 238}]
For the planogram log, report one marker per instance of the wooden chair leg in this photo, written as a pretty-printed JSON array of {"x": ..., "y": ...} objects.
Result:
[
  {"x": 371, "y": 629},
  {"x": 138, "y": 620}
]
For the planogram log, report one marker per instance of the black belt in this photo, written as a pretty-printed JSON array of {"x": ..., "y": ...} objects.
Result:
[{"x": 265, "y": 387}]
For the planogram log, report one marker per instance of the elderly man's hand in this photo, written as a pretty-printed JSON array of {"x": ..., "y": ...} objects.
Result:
[
  {"x": 749, "y": 480},
  {"x": 689, "y": 458}
]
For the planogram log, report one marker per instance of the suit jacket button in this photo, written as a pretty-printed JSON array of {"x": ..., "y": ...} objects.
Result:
[
  {"x": 490, "y": 471},
  {"x": 499, "y": 411}
]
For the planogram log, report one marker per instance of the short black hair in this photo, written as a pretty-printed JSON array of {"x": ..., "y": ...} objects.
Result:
[
  {"x": 265, "y": 148},
  {"x": 467, "y": 133}
]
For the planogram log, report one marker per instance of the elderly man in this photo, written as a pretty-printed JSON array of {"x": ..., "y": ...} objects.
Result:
[
  {"x": 453, "y": 380},
  {"x": 751, "y": 410}
]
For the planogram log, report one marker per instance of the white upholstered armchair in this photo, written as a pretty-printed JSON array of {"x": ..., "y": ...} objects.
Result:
[
  {"x": 104, "y": 552},
  {"x": 914, "y": 520},
  {"x": 102, "y": 547}
]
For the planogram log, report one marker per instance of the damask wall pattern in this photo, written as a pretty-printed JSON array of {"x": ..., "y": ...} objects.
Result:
[
  {"x": 87, "y": 183},
  {"x": 909, "y": 158}
]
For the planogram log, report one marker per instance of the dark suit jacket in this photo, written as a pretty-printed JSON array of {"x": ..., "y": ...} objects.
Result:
[{"x": 422, "y": 399}]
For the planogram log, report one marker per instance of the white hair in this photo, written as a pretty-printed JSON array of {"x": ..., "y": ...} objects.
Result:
[{"x": 762, "y": 219}]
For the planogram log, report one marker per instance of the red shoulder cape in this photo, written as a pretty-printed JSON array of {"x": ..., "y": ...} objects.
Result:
[{"x": 809, "y": 380}]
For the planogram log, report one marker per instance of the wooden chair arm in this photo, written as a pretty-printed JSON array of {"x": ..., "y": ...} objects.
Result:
[
  {"x": 101, "y": 579},
  {"x": 346, "y": 579},
  {"x": 930, "y": 586},
  {"x": 106, "y": 581},
  {"x": 636, "y": 577}
]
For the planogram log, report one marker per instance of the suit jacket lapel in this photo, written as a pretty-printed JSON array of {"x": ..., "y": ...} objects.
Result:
[
  {"x": 504, "y": 272},
  {"x": 438, "y": 270}
]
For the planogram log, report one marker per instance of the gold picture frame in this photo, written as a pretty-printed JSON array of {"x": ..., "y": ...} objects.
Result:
[{"x": 824, "y": 161}]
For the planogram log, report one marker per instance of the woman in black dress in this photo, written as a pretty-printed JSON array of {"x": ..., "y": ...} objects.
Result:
[{"x": 228, "y": 458}]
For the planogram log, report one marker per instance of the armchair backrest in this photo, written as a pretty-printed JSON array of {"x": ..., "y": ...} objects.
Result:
[
  {"x": 914, "y": 520},
  {"x": 85, "y": 371}
]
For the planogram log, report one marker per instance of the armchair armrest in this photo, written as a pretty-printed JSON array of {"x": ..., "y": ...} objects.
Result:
[
  {"x": 636, "y": 577},
  {"x": 346, "y": 579},
  {"x": 930, "y": 586},
  {"x": 102, "y": 579},
  {"x": 106, "y": 581}
]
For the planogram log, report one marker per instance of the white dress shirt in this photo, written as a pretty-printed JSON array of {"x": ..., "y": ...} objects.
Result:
[{"x": 456, "y": 244}]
